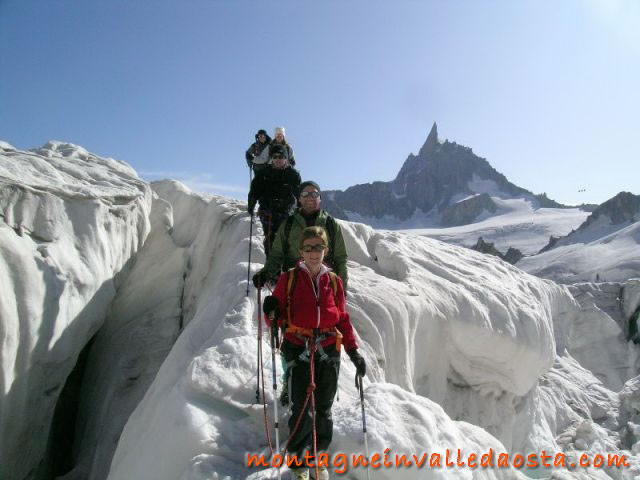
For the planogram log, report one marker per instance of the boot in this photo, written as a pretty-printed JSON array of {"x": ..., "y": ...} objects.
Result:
[
  {"x": 300, "y": 473},
  {"x": 322, "y": 472}
]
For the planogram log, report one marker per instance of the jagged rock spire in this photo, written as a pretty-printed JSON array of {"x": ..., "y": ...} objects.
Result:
[{"x": 432, "y": 141}]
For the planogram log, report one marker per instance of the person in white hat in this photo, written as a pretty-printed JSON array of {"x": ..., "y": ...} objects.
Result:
[{"x": 280, "y": 139}]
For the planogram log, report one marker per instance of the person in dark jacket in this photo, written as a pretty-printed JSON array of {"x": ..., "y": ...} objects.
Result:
[
  {"x": 279, "y": 139},
  {"x": 314, "y": 313},
  {"x": 275, "y": 188},
  {"x": 257, "y": 154}
]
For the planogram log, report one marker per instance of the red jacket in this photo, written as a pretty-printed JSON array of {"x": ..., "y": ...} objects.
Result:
[{"x": 309, "y": 310}]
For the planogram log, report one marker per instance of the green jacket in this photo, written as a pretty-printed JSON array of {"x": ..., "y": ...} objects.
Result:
[{"x": 279, "y": 260}]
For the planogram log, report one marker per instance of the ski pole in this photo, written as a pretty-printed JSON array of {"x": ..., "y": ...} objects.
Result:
[
  {"x": 250, "y": 236},
  {"x": 364, "y": 421},
  {"x": 259, "y": 355},
  {"x": 312, "y": 390},
  {"x": 275, "y": 345},
  {"x": 250, "y": 245}
]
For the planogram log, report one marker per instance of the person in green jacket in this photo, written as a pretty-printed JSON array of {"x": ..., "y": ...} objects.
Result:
[{"x": 284, "y": 251}]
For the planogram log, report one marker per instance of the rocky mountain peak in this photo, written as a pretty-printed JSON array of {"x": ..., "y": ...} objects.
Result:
[
  {"x": 624, "y": 207},
  {"x": 512, "y": 256},
  {"x": 615, "y": 213},
  {"x": 431, "y": 143},
  {"x": 445, "y": 180}
]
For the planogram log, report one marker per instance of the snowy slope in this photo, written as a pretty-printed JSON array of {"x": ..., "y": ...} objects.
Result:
[
  {"x": 69, "y": 223},
  {"x": 464, "y": 351},
  {"x": 613, "y": 257},
  {"x": 204, "y": 392},
  {"x": 438, "y": 325},
  {"x": 516, "y": 224}
]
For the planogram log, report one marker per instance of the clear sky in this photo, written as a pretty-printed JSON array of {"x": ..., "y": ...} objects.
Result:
[{"x": 547, "y": 91}]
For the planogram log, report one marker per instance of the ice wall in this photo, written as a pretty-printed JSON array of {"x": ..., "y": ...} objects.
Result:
[{"x": 69, "y": 224}]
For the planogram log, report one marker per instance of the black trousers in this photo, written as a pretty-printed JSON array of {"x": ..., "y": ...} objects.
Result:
[
  {"x": 271, "y": 221},
  {"x": 326, "y": 381}
]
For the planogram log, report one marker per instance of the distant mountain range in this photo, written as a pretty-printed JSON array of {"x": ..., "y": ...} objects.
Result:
[
  {"x": 613, "y": 215},
  {"x": 605, "y": 247},
  {"x": 445, "y": 185}
]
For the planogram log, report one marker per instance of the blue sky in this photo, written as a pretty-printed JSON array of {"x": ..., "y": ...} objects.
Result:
[{"x": 546, "y": 91}]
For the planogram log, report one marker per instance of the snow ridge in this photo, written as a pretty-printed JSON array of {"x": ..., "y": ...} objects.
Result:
[{"x": 69, "y": 226}]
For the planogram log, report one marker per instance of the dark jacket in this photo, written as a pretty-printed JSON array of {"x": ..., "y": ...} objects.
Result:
[
  {"x": 275, "y": 189},
  {"x": 258, "y": 153},
  {"x": 288, "y": 148}
]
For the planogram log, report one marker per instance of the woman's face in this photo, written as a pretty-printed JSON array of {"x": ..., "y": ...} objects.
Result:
[
  {"x": 315, "y": 256},
  {"x": 279, "y": 137}
]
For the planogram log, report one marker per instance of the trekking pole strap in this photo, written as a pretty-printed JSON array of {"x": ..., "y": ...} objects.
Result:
[{"x": 308, "y": 397}]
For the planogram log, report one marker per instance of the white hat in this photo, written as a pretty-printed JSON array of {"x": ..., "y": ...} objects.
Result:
[{"x": 278, "y": 130}]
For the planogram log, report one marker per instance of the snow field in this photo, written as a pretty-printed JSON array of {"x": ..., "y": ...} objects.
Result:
[
  {"x": 450, "y": 336},
  {"x": 433, "y": 320}
]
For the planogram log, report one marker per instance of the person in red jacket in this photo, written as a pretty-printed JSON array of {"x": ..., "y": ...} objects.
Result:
[{"x": 312, "y": 308}]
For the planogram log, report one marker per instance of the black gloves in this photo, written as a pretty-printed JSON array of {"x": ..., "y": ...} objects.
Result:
[
  {"x": 271, "y": 306},
  {"x": 358, "y": 361},
  {"x": 259, "y": 279}
]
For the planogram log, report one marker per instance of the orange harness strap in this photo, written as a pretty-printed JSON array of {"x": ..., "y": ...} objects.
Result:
[{"x": 308, "y": 333}]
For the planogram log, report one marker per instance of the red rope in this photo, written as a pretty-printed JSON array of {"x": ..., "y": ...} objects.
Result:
[
  {"x": 310, "y": 395},
  {"x": 264, "y": 399},
  {"x": 311, "y": 389}
]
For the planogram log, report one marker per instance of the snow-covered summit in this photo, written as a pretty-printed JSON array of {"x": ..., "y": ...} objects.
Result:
[
  {"x": 604, "y": 247},
  {"x": 615, "y": 214},
  {"x": 613, "y": 257}
]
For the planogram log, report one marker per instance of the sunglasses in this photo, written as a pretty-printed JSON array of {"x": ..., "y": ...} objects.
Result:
[
  {"x": 310, "y": 194},
  {"x": 313, "y": 248}
]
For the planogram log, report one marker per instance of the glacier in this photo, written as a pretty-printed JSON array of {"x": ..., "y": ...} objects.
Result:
[
  {"x": 71, "y": 224},
  {"x": 464, "y": 351}
]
